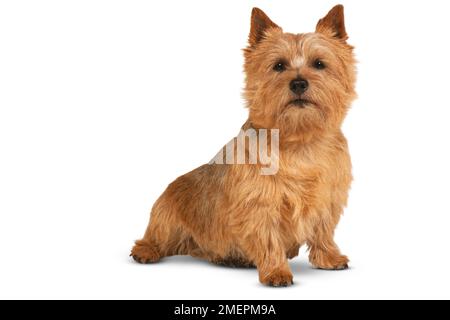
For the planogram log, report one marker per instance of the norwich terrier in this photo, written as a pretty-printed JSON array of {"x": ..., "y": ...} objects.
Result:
[{"x": 232, "y": 212}]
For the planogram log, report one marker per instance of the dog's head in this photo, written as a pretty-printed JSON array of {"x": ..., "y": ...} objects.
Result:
[{"x": 299, "y": 83}]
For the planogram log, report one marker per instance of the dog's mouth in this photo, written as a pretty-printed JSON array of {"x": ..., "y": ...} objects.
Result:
[{"x": 301, "y": 103}]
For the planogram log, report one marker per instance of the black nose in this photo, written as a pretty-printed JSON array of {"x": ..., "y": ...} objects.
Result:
[{"x": 299, "y": 85}]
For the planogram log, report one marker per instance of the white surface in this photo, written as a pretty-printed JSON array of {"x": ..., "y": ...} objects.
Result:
[{"x": 103, "y": 103}]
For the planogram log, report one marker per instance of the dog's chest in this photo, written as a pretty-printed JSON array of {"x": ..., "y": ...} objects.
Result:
[{"x": 305, "y": 181}]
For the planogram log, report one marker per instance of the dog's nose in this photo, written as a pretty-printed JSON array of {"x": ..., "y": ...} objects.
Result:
[{"x": 299, "y": 85}]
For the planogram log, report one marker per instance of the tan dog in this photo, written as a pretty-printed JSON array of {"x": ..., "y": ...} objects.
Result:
[{"x": 232, "y": 214}]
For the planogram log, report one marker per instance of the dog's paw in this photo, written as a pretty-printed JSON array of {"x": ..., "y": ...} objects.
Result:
[
  {"x": 278, "y": 278},
  {"x": 325, "y": 262},
  {"x": 144, "y": 253}
]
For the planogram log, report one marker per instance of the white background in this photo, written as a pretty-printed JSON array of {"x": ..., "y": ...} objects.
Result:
[{"x": 103, "y": 103}]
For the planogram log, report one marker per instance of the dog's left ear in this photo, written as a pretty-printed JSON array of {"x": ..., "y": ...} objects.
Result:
[
  {"x": 260, "y": 23},
  {"x": 333, "y": 23}
]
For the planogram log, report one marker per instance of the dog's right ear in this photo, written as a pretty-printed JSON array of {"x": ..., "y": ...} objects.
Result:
[
  {"x": 333, "y": 23},
  {"x": 259, "y": 25}
]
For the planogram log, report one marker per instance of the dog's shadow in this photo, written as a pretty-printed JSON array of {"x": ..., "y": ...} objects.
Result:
[
  {"x": 299, "y": 266},
  {"x": 302, "y": 267}
]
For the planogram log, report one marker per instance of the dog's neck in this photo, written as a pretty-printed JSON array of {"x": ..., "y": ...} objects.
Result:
[{"x": 290, "y": 141}]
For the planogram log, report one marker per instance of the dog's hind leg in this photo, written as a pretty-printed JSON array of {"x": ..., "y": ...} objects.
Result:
[
  {"x": 145, "y": 252},
  {"x": 181, "y": 218},
  {"x": 163, "y": 237}
]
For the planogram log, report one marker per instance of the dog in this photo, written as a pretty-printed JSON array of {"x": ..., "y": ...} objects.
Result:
[{"x": 299, "y": 86}]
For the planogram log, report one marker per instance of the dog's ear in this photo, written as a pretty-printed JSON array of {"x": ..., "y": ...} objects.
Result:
[
  {"x": 333, "y": 23},
  {"x": 259, "y": 25}
]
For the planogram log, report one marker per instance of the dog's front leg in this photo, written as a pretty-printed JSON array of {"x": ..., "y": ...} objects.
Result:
[
  {"x": 262, "y": 243},
  {"x": 324, "y": 252},
  {"x": 273, "y": 267}
]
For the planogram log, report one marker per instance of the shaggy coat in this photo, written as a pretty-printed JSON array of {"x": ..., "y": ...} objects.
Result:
[{"x": 230, "y": 214}]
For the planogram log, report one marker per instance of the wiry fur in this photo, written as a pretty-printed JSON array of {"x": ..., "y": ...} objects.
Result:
[{"x": 233, "y": 215}]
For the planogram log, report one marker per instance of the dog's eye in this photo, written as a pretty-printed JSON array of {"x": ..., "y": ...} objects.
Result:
[
  {"x": 319, "y": 65},
  {"x": 280, "y": 66}
]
